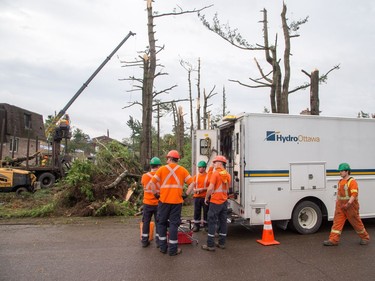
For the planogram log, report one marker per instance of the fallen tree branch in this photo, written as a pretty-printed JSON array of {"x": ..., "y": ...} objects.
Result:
[{"x": 117, "y": 180}]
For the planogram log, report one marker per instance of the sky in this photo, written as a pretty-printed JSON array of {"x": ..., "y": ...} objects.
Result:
[{"x": 49, "y": 49}]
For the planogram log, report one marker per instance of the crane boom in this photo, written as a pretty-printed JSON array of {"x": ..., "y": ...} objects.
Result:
[{"x": 63, "y": 111}]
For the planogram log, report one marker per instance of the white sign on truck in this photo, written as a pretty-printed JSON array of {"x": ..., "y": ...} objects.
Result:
[{"x": 288, "y": 164}]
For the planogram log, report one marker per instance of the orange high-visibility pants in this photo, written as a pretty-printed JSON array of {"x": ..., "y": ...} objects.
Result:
[{"x": 352, "y": 215}]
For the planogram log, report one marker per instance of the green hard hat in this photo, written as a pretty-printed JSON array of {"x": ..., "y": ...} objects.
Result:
[
  {"x": 202, "y": 164},
  {"x": 155, "y": 161},
  {"x": 344, "y": 167}
]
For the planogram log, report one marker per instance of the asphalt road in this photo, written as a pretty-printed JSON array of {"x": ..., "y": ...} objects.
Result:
[{"x": 109, "y": 249}]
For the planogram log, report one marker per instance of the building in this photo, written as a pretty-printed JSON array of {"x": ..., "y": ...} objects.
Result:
[{"x": 18, "y": 127}]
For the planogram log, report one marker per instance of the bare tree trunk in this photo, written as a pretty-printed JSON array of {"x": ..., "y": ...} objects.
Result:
[
  {"x": 199, "y": 96},
  {"x": 272, "y": 60},
  {"x": 204, "y": 110},
  {"x": 285, "y": 89},
  {"x": 180, "y": 131},
  {"x": 189, "y": 68},
  {"x": 147, "y": 92},
  {"x": 314, "y": 92},
  {"x": 158, "y": 138},
  {"x": 191, "y": 106},
  {"x": 175, "y": 117}
]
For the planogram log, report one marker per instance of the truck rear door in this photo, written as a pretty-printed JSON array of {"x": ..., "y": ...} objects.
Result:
[{"x": 205, "y": 148}]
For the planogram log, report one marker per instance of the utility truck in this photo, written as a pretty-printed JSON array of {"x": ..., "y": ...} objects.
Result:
[{"x": 288, "y": 164}]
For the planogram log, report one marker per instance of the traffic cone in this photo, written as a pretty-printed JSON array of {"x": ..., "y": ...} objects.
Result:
[
  {"x": 151, "y": 233},
  {"x": 267, "y": 236}
]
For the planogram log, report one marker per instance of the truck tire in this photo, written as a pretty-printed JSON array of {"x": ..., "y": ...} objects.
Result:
[
  {"x": 21, "y": 190},
  {"x": 306, "y": 217},
  {"x": 46, "y": 180}
]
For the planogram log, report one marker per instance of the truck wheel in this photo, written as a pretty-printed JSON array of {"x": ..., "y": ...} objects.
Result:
[
  {"x": 306, "y": 217},
  {"x": 21, "y": 190},
  {"x": 46, "y": 180}
]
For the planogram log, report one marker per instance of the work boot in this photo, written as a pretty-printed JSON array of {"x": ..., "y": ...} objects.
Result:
[
  {"x": 329, "y": 243},
  {"x": 179, "y": 251},
  {"x": 163, "y": 251},
  {"x": 207, "y": 248},
  {"x": 145, "y": 244},
  {"x": 195, "y": 228},
  {"x": 364, "y": 242},
  {"x": 220, "y": 246}
]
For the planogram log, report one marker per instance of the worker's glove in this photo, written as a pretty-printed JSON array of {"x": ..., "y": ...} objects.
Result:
[
  {"x": 157, "y": 195},
  {"x": 184, "y": 196}
]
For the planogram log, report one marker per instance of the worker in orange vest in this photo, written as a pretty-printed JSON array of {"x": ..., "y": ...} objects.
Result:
[
  {"x": 171, "y": 178},
  {"x": 65, "y": 121},
  {"x": 347, "y": 208},
  {"x": 44, "y": 161},
  {"x": 217, "y": 195},
  {"x": 202, "y": 181},
  {"x": 150, "y": 203}
]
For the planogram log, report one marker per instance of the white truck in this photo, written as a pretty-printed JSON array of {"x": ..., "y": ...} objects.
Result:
[{"x": 288, "y": 164}]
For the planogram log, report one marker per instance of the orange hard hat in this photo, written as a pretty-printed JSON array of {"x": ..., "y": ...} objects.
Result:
[
  {"x": 173, "y": 154},
  {"x": 220, "y": 158}
]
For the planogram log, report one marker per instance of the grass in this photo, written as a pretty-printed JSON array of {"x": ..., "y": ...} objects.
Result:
[
  {"x": 37, "y": 204},
  {"x": 42, "y": 203},
  {"x": 187, "y": 211}
]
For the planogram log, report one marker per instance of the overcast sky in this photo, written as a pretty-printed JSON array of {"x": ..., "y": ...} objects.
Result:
[{"x": 49, "y": 48}]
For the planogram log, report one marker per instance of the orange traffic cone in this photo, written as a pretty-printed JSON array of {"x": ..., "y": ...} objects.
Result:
[
  {"x": 267, "y": 237},
  {"x": 151, "y": 233}
]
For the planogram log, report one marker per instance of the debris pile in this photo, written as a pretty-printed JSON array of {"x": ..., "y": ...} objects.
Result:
[{"x": 108, "y": 186}]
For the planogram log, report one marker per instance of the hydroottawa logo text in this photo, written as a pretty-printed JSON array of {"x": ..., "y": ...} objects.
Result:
[{"x": 277, "y": 136}]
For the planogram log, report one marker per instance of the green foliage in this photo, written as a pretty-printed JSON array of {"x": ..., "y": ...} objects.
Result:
[
  {"x": 186, "y": 160},
  {"x": 226, "y": 32},
  {"x": 48, "y": 122},
  {"x": 111, "y": 156},
  {"x": 80, "y": 141},
  {"x": 362, "y": 114},
  {"x": 80, "y": 175},
  {"x": 295, "y": 25},
  {"x": 40, "y": 211},
  {"x": 133, "y": 142},
  {"x": 80, "y": 172}
]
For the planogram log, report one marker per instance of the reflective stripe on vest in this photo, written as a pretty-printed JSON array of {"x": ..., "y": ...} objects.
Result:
[
  {"x": 171, "y": 173},
  {"x": 147, "y": 188},
  {"x": 204, "y": 183},
  {"x": 221, "y": 189},
  {"x": 346, "y": 188}
]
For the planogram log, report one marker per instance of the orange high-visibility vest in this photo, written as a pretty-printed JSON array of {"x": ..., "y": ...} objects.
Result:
[
  {"x": 148, "y": 196},
  {"x": 171, "y": 178},
  {"x": 221, "y": 181},
  {"x": 346, "y": 189},
  {"x": 201, "y": 181}
]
